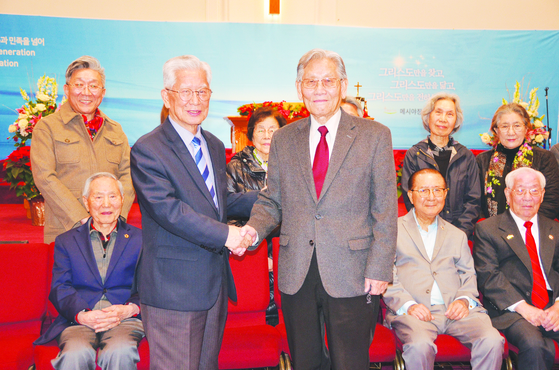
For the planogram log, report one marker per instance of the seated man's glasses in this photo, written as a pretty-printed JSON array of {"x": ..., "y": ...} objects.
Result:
[
  {"x": 533, "y": 192},
  {"x": 437, "y": 192}
]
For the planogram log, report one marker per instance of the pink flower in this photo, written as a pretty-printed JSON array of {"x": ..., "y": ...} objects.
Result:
[{"x": 489, "y": 190}]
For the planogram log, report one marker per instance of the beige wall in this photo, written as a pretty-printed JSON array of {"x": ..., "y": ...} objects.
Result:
[{"x": 441, "y": 14}]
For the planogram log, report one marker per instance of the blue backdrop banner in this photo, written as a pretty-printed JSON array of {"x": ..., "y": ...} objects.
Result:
[{"x": 398, "y": 69}]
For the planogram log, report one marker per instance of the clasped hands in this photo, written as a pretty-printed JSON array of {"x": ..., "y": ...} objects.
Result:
[
  {"x": 456, "y": 310},
  {"x": 239, "y": 239},
  {"x": 107, "y": 318},
  {"x": 548, "y": 319}
]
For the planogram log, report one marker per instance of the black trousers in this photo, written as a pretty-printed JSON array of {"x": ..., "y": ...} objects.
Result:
[
  {"x": 349, "y": 322},
  {"x": 536, "y": 350}
]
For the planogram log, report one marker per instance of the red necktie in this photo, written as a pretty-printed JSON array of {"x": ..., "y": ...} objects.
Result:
[
  {"x": 540, "y": 298},
  {"x": 320, "y": 164}
]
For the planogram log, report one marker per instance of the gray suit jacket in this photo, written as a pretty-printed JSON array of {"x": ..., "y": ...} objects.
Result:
[
  {"x": 504, "y": 267},
  {"x": 451, "y": 266},
  {"x": 353, "y": 224}
]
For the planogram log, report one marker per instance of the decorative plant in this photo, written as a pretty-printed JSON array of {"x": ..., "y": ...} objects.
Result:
[
  {"x": 288, "y": 110},
  {"x": 537, "y": 133},
  {"x": 17, "y": 165}
]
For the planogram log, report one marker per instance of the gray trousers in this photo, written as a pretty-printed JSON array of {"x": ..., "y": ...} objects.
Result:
[
  {"x": 118, "y": 347},
  {"x": 185, "y": 340},
  {"x": 475, "y": 331}
]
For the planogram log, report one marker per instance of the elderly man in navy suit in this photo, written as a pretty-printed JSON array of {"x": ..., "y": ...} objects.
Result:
[
  {"x": 516, "y": 257},
  {"x": 92, "y": 285},
  {"x": 184, "y": 277},
  {"x": 331, "y": 185}
]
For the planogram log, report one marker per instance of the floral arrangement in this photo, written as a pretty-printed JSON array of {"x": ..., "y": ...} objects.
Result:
[
  {"x": 288, "y": 110},
  {"x": 17, "y": 165},
  {"x": 399, "y": 156},
  {"x": 537, "y": 134}
]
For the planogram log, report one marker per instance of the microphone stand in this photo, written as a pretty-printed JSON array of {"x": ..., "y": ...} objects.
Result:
[{"x": 547, "y": 116}]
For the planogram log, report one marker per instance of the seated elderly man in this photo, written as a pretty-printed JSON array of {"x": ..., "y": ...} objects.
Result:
[
  {"x": 434, "y": 287},
  {"x": 516, "y": 257},
  {"x": 92, "y": 285}
]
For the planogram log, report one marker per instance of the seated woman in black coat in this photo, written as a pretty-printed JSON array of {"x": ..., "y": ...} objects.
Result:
[
  {"x": 247, "y": 169},
  {"x": 510, "y": 124}
]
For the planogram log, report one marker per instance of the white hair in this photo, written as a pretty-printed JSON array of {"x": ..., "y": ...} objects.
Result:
[
  {"x": 183, "y": 62},
  {"x": 317, "y": 54},
  {"x": 98, "y": 175},
  {"x": 511, "y": 177}
]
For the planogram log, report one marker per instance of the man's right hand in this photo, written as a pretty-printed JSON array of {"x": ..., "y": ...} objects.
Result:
[
  {"x": 420, "y": 312},
  {"x": 532, "y": 314},
  {"x": 236, "y": 243}
]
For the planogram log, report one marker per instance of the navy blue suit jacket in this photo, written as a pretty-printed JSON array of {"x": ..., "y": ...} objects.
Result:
[
  {"x": 184, "y": 256},
  {"x": 76, "y": 282}
]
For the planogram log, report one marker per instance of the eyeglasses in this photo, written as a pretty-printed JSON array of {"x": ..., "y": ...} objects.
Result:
[
  {"x": 517, "y": 127},
  {"x": 186, "y": 94},
  {"x": 261, "y": 132},
  {"x": 437, "y": 192},
  {"x": 533, "y": 192},
  {"x": 80, "y": 86},
  {"x": 327, "y": 83}
]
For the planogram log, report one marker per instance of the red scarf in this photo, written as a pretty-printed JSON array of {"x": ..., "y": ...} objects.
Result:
[{"x": 94, "y": 125}]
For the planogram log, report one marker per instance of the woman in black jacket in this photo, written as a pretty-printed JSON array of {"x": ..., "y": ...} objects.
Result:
[
  {"x": 510, "y": 125},
  {"x": 247, "y": 171},
  {"x": 442, "y": 116}
]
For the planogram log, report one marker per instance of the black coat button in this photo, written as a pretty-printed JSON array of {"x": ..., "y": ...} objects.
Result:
[{"x": 311, "y": 243}]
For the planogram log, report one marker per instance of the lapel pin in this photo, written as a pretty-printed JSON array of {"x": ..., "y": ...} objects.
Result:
[
  {"x": 126, "y": 236},
  {"x": 510, "y": 236},
  {"x": 550, "y": 236}
]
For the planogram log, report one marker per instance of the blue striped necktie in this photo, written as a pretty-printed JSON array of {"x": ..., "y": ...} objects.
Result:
[{"x": 203, "y": 167}]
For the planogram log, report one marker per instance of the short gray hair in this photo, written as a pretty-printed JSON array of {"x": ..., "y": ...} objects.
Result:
[
  {"x": 317, "y": 54},
  {"x": 430, "y": 106},
  {"x": 85, "y": 62},
  {"x": 356, "y": 103},
  {"x": 183, "y": 62},
  {"x": 512, "y": 175},
  {"x": 98, "y": 175}
]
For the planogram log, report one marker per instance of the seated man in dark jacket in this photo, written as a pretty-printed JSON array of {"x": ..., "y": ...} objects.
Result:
[{"x": 92, "y": 285}]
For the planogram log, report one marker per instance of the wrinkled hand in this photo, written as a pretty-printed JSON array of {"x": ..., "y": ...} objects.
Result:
[
  {"x": 235, "y": 242},
  {"x": 457, "y": 310},
  {"x": 420, "y": 312},
  {"x": 375, "y": 287},
  {"x": 532, "y": 314},
  {"x": 98, "y": 320},
  {"x": 122, "y": 311},
  {"x": 251, "y": 232},
  {"x": 551, "y": 321}
]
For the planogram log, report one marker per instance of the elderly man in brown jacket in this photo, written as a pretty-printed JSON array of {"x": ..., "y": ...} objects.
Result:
[{"x": 74, "y": 143}]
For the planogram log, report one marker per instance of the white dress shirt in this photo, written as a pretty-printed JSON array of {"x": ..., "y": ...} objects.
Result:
[{"x": 429, "y": 237}]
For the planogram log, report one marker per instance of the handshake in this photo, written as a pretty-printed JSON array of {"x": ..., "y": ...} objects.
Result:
[{"x": 239, "y": 239}]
